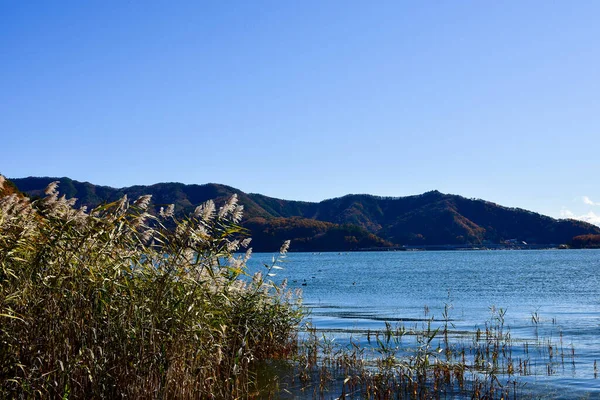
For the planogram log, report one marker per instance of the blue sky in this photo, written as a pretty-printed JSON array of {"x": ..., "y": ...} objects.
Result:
[{"x": 309, "y": 100}]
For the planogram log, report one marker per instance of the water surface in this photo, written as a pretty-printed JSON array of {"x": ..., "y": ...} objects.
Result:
[{"x": 548, "y": 295}]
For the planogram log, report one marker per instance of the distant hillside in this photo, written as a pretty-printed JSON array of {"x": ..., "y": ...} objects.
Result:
[
  {"x": 349, "y": 222},
  {"x": 310, "y": 235}
]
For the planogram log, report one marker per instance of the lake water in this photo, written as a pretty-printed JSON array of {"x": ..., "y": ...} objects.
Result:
[{"x": 549, "y": 296}]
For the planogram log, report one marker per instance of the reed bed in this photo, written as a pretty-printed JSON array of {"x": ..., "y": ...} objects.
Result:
[
  {"x": 119, "y": 303},
  {"x": 429, "y": 360}
]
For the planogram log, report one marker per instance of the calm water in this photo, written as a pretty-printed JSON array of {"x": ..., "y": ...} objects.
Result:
[{"x": 348, "y": 293}]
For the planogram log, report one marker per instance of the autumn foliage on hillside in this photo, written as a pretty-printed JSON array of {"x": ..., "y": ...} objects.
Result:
[
  {"x": 586, "y": 242},
  {"x": 8, "y": 188}
]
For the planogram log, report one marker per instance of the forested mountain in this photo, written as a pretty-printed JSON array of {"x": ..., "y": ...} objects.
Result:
[{"x": 350, "y": 222}]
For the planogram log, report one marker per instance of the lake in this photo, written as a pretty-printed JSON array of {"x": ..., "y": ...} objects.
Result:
[{"x": 550, "y": 298}]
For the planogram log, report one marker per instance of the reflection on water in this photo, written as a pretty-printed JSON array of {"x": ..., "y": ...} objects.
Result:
[{"x": 551, "y": 300}]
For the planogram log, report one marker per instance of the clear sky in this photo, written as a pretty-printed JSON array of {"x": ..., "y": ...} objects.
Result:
[{"x": 309, "y": 100}]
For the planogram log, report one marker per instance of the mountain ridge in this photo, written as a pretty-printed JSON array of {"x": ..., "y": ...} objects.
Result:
[{"x": 350, "y": 222}]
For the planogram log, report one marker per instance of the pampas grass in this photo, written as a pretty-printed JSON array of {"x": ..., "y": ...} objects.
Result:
[{"x": 117, "y": 302}]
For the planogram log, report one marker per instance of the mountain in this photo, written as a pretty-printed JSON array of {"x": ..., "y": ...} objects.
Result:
[
  {"x": 310, "y": 235},
  {"x": 350, "y": 222}
]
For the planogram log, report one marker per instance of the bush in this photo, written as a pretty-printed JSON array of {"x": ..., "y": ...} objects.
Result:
[{"x": 112, "y": 303}]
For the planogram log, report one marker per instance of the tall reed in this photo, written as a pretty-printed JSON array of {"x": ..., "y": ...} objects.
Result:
[{"x": 117, "y": 302}]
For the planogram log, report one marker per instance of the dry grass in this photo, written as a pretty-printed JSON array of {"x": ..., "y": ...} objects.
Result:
[{"x": 110, "y": 303}]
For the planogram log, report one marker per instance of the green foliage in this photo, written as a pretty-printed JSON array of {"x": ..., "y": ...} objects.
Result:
[{"x": 112, "y": 303}]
